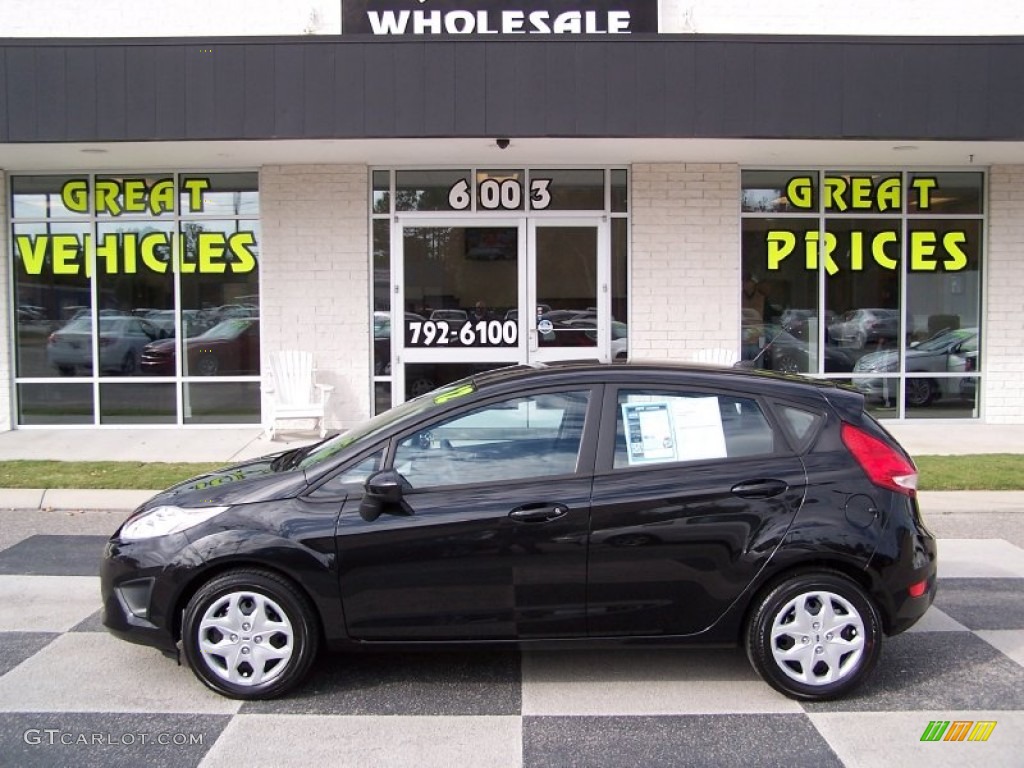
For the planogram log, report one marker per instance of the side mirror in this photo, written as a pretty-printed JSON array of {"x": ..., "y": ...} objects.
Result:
[{"x": 382, "y": 489}]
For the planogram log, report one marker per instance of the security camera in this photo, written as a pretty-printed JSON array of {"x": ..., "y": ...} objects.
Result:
[{"x": 502, "y": 143}]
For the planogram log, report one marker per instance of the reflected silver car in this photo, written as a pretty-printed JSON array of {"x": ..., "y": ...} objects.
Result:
[
  {"x": 947, "y": 351},
  {"x": 121, "y": 340}
]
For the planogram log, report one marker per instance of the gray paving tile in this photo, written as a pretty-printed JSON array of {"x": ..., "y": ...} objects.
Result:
[
  {"x": 94, "y": 623},
  {"x": 368, "y": 742},
  {"x": 94, "y": 671},
  {"x": 46, "y": 555},
  {"x": 15, "y": 647},
  {"x": 47, "y": 603},
  {"x": 103, "y": 739},
  {"x": 935, "y": 671},
  {"x": 433, "y": 683},
  {"x": 983, "y": 603},
  {"x": 698, "y": 740}
]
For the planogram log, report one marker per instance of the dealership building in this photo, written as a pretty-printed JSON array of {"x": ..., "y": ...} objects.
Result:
[{"x": 415, "y": 191}]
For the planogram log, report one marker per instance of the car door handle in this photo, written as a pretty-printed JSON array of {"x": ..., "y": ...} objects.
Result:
[
  {"x": 538, "y": 514},
  {"x": 760, "y": 489}
]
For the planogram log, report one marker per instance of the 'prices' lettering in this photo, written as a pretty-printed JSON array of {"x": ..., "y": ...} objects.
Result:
[{"x": 927, "y": 251}]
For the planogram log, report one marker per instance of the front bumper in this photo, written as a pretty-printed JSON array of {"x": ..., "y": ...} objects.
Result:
[{"x": 140, "y": 584}]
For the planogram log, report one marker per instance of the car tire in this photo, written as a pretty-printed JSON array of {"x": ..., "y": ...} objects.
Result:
[
  {"x": 814, "y": 636},
  {"x": 244, "y": 616},
  {"x": 419, "y": 387},
  {"x": 207, "y": 365},
  {"x": 920, "y": 392},
  {"x": 784, "y": 362}
]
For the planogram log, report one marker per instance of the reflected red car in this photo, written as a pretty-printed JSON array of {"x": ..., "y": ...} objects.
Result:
[{"x": 232, "y": 347}]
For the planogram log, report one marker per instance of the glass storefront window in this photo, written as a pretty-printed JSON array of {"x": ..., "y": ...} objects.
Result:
[
  {"x": 569, "y": 190},
  {"x": 878, "y": 275},
  {"x": 431, "y": 190},
  {"x": 115, "y": 274}
]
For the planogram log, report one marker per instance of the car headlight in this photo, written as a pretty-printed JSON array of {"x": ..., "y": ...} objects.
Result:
[{"x": 161, "y": 521}]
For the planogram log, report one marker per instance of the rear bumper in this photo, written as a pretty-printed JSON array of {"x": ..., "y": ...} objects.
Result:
[{"x": 906, "y": 566}]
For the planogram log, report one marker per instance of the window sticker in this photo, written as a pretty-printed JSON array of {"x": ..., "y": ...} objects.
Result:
[
  {"x": 699, "y": 433},
  {"x": 649, "y": 433},
  {"x": 677, "y": 429}
]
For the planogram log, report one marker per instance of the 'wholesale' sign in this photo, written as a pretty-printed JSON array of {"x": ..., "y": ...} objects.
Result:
[{"x": 499, "y": 17}]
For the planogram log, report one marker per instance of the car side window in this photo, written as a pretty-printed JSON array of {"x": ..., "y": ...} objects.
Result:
[
  {"x": 801, "y": 423},
  {"x": 657, "y": 427},
  {"x": 517, "y": 438},
  {"x": 352, "y": 478}
]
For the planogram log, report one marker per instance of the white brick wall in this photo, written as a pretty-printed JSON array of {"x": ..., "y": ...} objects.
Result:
[
  {"x": 685, "y": 259},
  {"x": 1003, "y": 333},
  {"x": 315, "y": 285},
  {"x": 6, "y": 365},
  {"x": 828, "y": 17}
]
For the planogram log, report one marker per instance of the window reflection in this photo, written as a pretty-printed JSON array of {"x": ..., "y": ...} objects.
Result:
[
  {"x": 133, "y": 242},
  {"x": 834, "y": 282}
]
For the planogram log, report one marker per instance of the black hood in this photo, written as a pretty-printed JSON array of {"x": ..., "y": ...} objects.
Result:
[{"x": 244, "y": 483}]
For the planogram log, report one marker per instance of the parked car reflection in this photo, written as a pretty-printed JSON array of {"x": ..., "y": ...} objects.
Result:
[
  {"x": 773, "y": 348},
  {"x": 232, "y": 347},
  {"x": 947, "y": 351},
  {"x": 860, "y": 327},
  {"x": 121, "y": 342}
]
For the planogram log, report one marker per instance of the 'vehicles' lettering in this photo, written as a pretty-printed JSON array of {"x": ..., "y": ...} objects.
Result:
[{"x": 125, "y": 253}]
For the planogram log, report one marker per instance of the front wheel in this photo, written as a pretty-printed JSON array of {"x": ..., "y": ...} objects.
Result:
[
  {"x": 814, "y": 636},
  {"x": 250, "y": 634}
]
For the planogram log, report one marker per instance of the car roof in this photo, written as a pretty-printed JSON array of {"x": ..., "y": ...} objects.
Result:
[{"x": 591, "y": 371}]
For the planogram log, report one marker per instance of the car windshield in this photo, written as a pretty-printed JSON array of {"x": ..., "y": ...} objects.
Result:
[
  {"x": 227, "y": 329},
  {"x": 365, "y": 431},
  {"x": 944, "y": 340}
]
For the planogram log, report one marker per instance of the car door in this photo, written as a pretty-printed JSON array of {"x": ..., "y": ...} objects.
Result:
[
  {"x": 695, "y": 489},
  {"x": 489, "y": 541}
]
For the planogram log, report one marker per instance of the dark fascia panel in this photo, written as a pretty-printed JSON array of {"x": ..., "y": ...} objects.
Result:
[{"x": 649, "y": 86}]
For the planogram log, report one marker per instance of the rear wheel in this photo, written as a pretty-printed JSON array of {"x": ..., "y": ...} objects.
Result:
[
  {"x": 920, "y": 392},
  {"x": 814, "y": 636},
  {"x": 250, "y": 634}
]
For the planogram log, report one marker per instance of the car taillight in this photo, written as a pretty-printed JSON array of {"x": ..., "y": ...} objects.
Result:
[
  {"x": 884, "y": 465},
  {"x": 970, "y": 364}
]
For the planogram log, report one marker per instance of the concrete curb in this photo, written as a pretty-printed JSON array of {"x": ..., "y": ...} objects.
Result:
[
  {"x": 932, "y": 502},
  {"x": 72, "y": 499}
]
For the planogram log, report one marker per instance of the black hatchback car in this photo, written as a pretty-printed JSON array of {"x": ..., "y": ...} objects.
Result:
[{"x": 543, "y": 506}]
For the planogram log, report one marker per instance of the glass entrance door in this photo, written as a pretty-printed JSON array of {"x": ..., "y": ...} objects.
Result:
[
  {"x": 476, "y": 294},
  {"x": 567, "y": 290}
]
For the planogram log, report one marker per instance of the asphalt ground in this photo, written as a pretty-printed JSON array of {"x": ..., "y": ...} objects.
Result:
[{"x": 71, "y": 694}]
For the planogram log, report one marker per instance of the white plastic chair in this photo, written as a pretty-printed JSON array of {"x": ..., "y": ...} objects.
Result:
[
  {"x": 294, "y": 393},
  {"x": 714, "y": 355}
]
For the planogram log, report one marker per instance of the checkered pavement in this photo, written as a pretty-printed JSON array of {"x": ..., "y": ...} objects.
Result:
[{"x": 70, "y": 694}]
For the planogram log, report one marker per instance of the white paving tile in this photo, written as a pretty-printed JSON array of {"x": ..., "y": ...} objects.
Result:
[
  {"x": 1009, "y": 641},
  {"x": 979, "y": 558},
  {"x": 874, "y": 739},
  {"x": 656, "y": 682},
  {"x": 937, "y": 621},
  {"x": 96, "y": 672},
  {"x": 368, "y": 742},
  {"x": 47, "y": 603}
]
